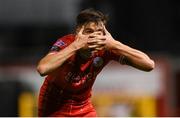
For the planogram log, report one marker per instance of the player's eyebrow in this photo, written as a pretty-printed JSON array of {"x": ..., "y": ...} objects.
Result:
[
  {"x": 100, "y": 29},
  {"x": 88, "y": 28}
]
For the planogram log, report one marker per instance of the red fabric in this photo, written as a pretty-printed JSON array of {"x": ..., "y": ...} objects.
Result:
[
  {"x": 67, "y": 91},
  {"x": 54, "y": 103}
]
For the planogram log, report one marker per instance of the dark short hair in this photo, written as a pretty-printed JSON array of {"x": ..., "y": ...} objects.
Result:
[{"x": 90, "y": 15}]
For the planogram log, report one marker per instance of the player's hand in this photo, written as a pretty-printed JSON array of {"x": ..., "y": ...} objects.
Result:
[
  {"x": 100, "y": 42},
  {"x": 109, "y": 42},
  {"x": 96, "y": 41},
  {"x": 81, "y": 39}
]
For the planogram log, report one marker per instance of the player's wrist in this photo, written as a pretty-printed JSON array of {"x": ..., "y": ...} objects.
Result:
[
  {"x": 75, "y": 46},
  {"x": 113, "y": 44}
]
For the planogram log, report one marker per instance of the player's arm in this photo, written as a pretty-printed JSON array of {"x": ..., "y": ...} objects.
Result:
[
  {"x": 132, "y": 57},
  {"x": 52, "y": 61},
  {"x": 129, "y": 55}
]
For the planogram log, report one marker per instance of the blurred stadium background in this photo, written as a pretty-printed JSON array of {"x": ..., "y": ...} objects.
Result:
[{"x": 28, "y": 28}]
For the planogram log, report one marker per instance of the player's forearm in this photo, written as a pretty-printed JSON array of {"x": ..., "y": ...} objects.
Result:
[
  {"x": 53, "y": 61},
  {"x": 134, "y": 57}
]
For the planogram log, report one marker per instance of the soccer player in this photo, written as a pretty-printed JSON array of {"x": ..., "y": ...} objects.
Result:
[{"x": 75, "y": 60}]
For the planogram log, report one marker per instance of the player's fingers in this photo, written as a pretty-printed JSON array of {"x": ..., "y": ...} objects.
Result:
[
  {"x": 81, "y": 30},
  {"x": 100, "y": 48},
  {"x": 99, "y": 38},
  {"x": 105, "y": 30},
  {"x": 96, "y": 45},
  {"x": 91, "y": 42},
  {"x": 101, "y": 43},
  {"x": 96, "y": 41},
  {"x": 92, "y": 46}
]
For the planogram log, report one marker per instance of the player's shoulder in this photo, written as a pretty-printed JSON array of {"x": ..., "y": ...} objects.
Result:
[
  {"x": 68, "y": 37},
  {"x": 65, "y": 40}
]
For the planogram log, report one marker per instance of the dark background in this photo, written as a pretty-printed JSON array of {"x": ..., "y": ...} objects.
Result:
[{"x": 29, "y": 28}]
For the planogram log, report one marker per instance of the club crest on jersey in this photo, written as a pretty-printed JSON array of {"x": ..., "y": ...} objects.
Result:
[
  {"x": 60, "y": 43},
  {"x": 98, "y": 62}
]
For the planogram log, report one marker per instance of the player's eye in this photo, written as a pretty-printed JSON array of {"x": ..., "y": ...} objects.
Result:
[
  {"x": 100, "y": 30},
  {"x": 88, "y": 31}
]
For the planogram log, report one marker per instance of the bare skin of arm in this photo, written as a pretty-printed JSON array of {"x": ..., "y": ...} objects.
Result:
[
  {"x": 52, "y": 61},
  {"x": 95, "y": 41},
  {"x": 131, "y": 56}
]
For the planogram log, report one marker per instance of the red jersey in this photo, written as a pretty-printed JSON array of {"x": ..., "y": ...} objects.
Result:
[{"x": 67, "y": 91}]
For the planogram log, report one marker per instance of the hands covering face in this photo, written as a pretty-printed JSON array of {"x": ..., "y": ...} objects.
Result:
[
  {"x": 100, "y": 42},
  {"x": 95, "y": 41}
]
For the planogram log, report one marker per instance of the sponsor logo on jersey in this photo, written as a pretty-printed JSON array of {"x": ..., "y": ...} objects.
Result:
[{"x": 60, "y": 43}]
